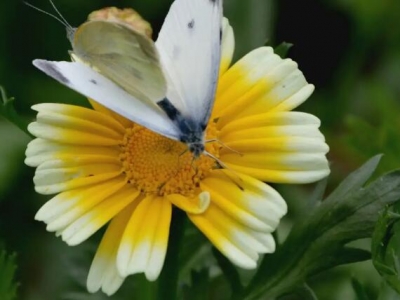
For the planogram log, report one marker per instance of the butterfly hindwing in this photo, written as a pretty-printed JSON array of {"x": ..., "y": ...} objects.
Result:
[{"x": 123, "y": 55}]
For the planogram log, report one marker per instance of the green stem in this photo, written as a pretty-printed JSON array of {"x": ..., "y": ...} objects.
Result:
[
  {"x": 7, "y": 110},
  {"x": 168, "y": 281}
]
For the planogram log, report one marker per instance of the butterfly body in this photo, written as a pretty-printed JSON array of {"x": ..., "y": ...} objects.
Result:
[{"x": 191, "y": 132}]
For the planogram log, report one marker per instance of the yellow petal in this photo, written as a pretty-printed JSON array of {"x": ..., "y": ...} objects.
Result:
[
  {"x": 70, "y": 136},
  {"x": 275, "y": 145},
  {"x": 243, "y": 76},
  {"x": 75, "y": 125},
  {"x": 284, "y": 147},
  {"x": 258, "y": 83},
  {"x": 242, "y": 214},
  {"x": 80, "y": 114},
  {"x": 41, "y": 150},
  {"x": 160, "y": 242},
  {"x": 271, "y": 119},
  {"x": 50, "y": 178},
  {"x": 103, "y": 273},
  {"x": 78, "y": 118},
  {"x": 144, "y": 242},
  {"x": 66, "y": 207},
  {"x": 235, "y": 241},
  {"x": 278, "y": 161},
  {"x": 95, "y": 218},
  {"x": 246, "y": 200},
  {"x": 288, "y": 131},
  {"x": 283, "y": 176},
  {"x": 195, "y": 205}
]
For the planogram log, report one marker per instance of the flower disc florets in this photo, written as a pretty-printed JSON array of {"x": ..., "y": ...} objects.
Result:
[{"x": 156, "y": 164}]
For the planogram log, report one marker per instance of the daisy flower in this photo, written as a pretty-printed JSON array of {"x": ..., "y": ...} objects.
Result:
[{"x": 105, "y": 170}]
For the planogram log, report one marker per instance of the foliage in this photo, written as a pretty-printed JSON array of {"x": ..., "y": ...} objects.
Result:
[
  {"x": 319, "y": 241},
  {"x": 359, "y": 289},
  {"x": 385, "y": 247},
  {"x": 7, "y": 110},
  {"x": 8, "y": 286}
]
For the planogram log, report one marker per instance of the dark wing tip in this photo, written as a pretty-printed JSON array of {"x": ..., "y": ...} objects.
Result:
[{"x": 50, "y": 69}]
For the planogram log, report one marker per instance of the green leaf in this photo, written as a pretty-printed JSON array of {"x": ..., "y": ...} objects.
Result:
[
  {"x": 7, "y": 110},
  {"x": 387, "y": 293},
  {"x": 359, "y": 289},
  {"x": 317, "y": 195},
  {"x": 230, "y": 273},
  {"x": 283, "y": 49},
  {"x": 385, "y": 248},
  {"x": 8, "y": 287},
  {"x": 318, "y": 242},
  {"x": 356, "y": 179},
  {"x": 196, "y": 254}
]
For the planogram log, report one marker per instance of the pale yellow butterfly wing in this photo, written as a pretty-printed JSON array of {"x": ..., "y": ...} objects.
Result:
[{"x": 126, "y": 57}]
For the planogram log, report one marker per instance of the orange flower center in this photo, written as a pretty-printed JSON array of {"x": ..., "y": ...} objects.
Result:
[{"x": 156, "y": 164}]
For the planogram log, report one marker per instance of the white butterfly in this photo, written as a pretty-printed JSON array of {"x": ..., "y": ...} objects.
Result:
[{"x": 168, "y": 87}]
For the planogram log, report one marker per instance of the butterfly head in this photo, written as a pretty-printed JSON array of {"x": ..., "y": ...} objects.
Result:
[
  {"x": 192, "y": 134},
  {"x": 71, "y": 34},
  {"x": 196, "y": 149},
  {"x": 59, "y": 17}
]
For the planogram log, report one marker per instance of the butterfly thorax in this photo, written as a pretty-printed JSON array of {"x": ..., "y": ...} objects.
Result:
[{"x": 191, "y": 134}]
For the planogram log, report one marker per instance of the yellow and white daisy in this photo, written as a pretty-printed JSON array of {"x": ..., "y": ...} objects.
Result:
[{"x": 107, "y": 170}]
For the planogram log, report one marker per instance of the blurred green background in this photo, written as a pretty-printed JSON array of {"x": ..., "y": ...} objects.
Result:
[{"x": 350, "y": 49}]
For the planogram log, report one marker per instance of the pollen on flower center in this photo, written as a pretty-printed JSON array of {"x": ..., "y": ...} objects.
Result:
[{"x": 156, "y": 164}]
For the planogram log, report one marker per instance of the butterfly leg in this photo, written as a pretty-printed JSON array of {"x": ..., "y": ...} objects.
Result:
[{"x": 223, "y": 145}]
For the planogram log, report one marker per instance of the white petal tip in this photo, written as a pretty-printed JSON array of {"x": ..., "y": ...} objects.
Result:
[{"x": 123, "y": 257}]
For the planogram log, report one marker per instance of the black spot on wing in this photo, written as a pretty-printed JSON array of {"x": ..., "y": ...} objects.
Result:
[
  {"x": 191, "y": 24},
  {"x": 214, "y": 1},
  {"x": 93, "y": 81},
  {"x": 169, "y": 109},
  {"x": 52, "y": 70},
  {"x": 220, "y": 35}
]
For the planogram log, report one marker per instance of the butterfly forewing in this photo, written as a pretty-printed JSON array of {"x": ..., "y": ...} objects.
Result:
[{"x": 191, "y": 55}]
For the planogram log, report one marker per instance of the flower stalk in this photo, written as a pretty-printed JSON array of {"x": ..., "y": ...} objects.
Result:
[{"x": 168, "y": 280}]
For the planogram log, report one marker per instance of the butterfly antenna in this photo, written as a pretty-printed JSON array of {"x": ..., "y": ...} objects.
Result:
[
  {"x": 60, "y": 15},
  {"x": 62, "y": 20}
]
